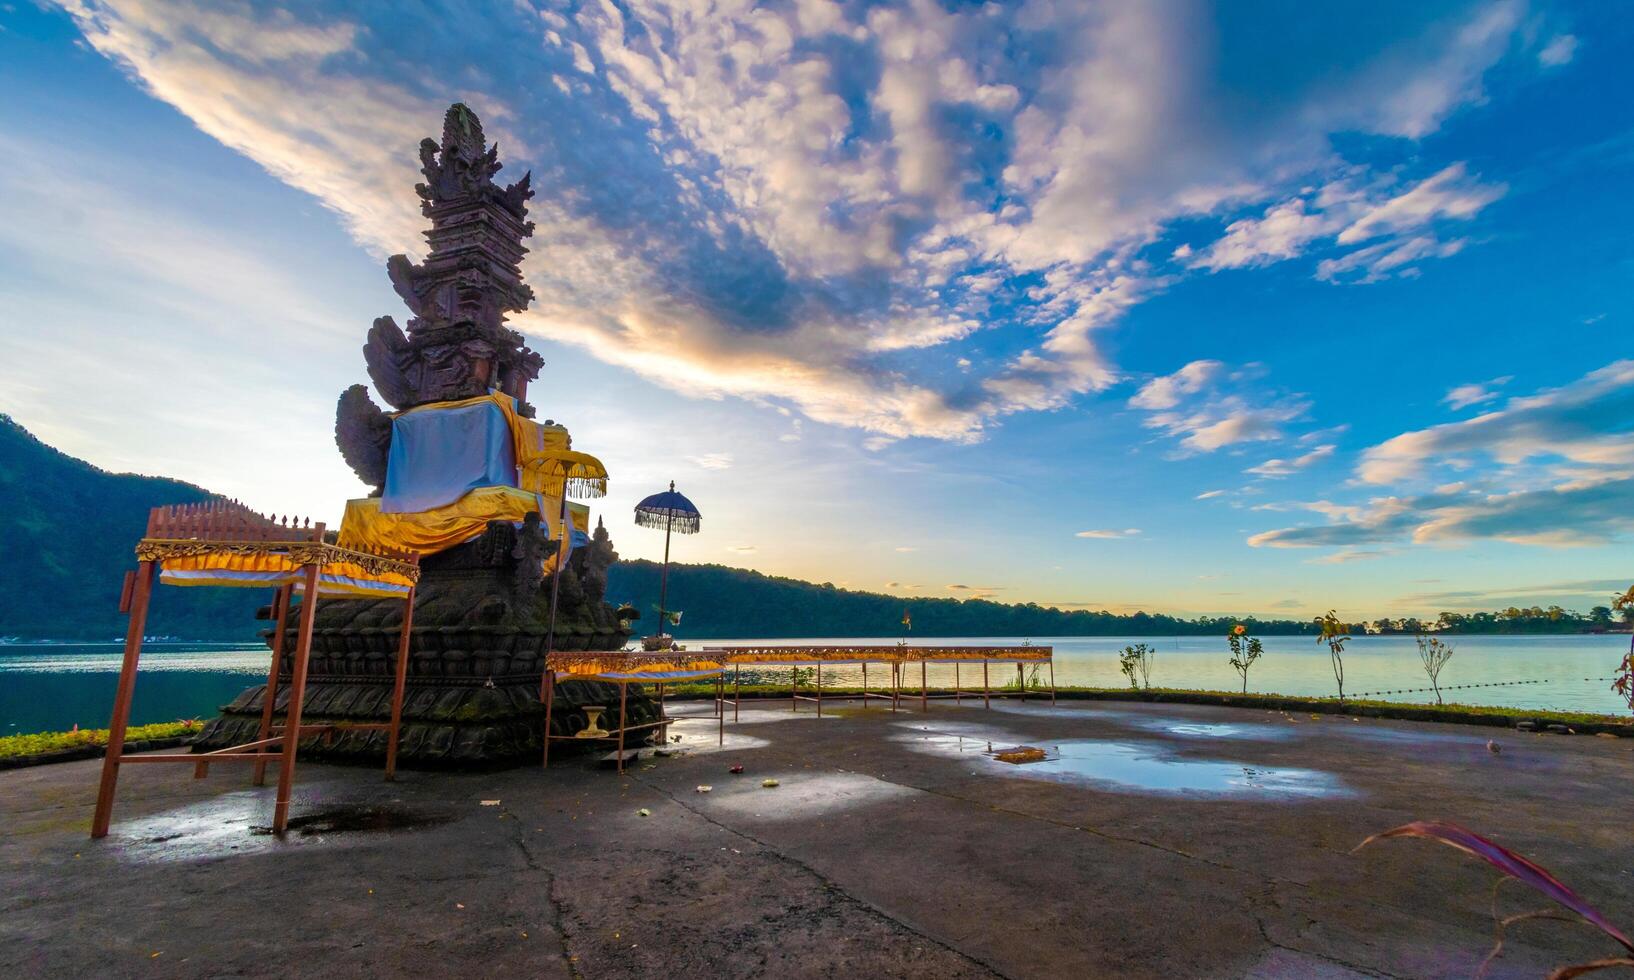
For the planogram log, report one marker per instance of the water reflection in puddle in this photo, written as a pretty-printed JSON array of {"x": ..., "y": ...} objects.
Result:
[
  {"x": 1141, "y": 767},
  {"x": 1199, "y": 729},
  {"x": 1150, "y": 768}
]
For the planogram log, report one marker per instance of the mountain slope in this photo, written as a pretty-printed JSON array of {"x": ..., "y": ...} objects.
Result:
[{"x": 66, "y": 533}]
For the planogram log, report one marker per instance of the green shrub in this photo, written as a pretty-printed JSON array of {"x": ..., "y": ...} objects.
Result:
[{"x": 12, "y": 746}]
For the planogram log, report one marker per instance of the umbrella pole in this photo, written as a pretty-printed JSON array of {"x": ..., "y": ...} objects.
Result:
[
  {"x": 555, "y": 591},
  {"x": 663, "y": 578}
]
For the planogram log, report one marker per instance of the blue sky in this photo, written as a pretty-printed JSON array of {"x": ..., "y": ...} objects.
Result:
[{"x": 1258, "y": 307}]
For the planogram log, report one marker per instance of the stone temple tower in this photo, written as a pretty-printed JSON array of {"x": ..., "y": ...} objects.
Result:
[{"x": 456, "y": 477}]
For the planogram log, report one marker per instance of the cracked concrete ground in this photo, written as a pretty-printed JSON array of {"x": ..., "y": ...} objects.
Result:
[{"x": 893, "y": 846}]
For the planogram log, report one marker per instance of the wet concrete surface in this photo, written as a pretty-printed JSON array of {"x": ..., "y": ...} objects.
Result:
[{"x": 882, "y": 852}]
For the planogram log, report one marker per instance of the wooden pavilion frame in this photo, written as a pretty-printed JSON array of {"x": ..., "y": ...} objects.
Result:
[
  {"x": 210, "y": 538},
  {"x": 898, "y": 657}
]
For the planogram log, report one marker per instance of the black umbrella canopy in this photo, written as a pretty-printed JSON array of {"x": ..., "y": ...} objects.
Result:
[{"x": 668, "y": 511}]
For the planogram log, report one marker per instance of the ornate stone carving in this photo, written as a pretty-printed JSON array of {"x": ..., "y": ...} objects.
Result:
[
  {"x": 456, "y": 345},
  {"x": 531, "y": 551}
]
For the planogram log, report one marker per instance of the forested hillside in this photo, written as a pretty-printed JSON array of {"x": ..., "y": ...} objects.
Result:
[{"x": 66, "y": 534}]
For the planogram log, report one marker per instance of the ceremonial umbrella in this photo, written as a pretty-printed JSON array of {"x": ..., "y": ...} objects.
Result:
[
  {"x": 562, "y": 473},
  {"x": 672, "y": 512}
]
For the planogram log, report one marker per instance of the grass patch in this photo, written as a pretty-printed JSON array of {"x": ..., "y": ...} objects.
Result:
[{"x": 14, "y": 746}]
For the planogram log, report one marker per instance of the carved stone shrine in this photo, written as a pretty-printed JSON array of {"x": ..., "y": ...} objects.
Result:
[{"x": 463, "y": 475}]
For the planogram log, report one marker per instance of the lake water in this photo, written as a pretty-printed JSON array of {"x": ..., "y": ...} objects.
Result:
[{"x": 56, "y": 686}]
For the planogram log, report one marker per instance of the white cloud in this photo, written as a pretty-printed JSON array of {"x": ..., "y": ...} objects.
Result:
[
  {"x": 1210, "y": 494},
  {"x": 732, "y": 205},
  {"x": 1387, "y": 258},
  {"x": 1585, "y": 515},
  {"x": 1286, "y": 467},
  {"x": 1555, "y": 468},
  {"x": 1346, "y": 212},
  {"x": 1105, "y": 534},
  {"x": 1227, "y": 422},
  {"x": 712, "y": 461},
  {"x": 1346, "y": 557},
  {"x": 1478, "y": 393},
  {"x": 1559, "y": 51},
  {"x": 1588, "y": 422},
  {"x": 1166, "y": 391}
]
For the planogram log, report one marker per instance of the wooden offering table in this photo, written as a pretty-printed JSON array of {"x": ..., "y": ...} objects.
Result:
[{"x": 621, "y": 668}]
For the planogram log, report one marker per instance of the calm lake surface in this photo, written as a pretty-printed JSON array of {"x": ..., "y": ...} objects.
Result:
[{"x": 56, "y": 686}]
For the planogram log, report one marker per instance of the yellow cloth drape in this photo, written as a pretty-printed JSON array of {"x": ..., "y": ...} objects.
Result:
[
  {"x": 428, "y": 532},
  {"x": 270, "y": 569}
]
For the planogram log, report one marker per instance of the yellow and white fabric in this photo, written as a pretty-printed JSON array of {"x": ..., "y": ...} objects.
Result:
[{"x": 270, "y": 569}]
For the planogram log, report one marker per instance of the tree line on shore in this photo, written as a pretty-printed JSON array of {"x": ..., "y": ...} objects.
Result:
[{"x": 725, "y": 603}]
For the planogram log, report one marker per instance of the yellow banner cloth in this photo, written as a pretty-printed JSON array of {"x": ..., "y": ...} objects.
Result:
[
  {"x": 428, "y": 532},
  {"x": 270, "y": 569}
]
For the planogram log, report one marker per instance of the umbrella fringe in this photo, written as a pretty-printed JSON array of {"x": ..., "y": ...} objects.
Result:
[{"x": 679, "y": 522}]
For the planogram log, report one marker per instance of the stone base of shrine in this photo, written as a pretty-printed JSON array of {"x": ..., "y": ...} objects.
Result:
[{"x": 472, "y": 724}]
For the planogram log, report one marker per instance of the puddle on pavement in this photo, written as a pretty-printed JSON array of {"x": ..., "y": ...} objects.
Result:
[
  {"x": 1227, "y": 730},
  {"x": 1149, "y": 768},
  {"x": 358, "y": 818},
  {"x": 1134, "y": 767}
]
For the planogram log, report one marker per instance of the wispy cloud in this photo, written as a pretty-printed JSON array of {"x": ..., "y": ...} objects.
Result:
[
  {"x": 1559, "y": 51},
  {"x": 1479, "y": 393},
  {"x": 1346, "y": 557},
  {"x": 1558, "y": 517},
  {"x": 1588, "y": 421},
  {"x": 712, "y": 461},
  {"x": 788, "y": 203},
  {"x": 1107, "y": 534},
  {"x": 1287, "y": 467},
  {"x": 1167, "y": 391},
  {"x": 1349, "y": 211}
]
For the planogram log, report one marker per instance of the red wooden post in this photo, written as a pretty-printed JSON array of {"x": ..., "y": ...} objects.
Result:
[
  {"x": 280, "y": 621},
  {"x": 297, "y": 692},
  {"x": 145, "y": 572},
  {"x": 398, "y": 684}
]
